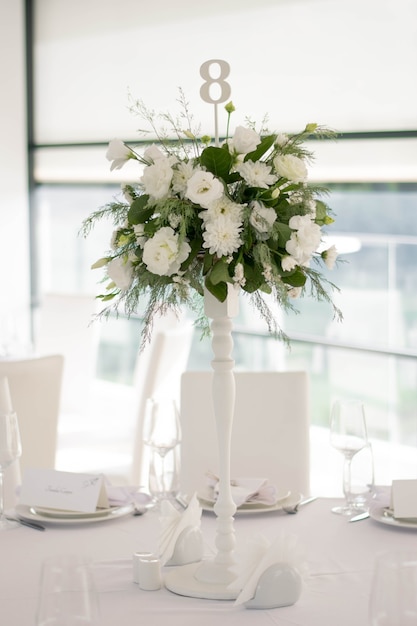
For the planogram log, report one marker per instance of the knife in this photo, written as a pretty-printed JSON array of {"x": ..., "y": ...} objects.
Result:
[
  {"x": 25, "y": 522},
  {"x": 357, "y": 518}
]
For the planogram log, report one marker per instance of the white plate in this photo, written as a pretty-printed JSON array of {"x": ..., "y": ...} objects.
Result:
[
  {"x": 289, "y": 499},
  {"x": 381, "y": 514},
  {"x": 55, "y": 516}
]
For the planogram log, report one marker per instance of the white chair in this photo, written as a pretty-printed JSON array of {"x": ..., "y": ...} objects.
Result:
[
  {"x": 35, "y": 389},
  {"x": 158, "y": 372},
  {"x": 270, "y": 437}
]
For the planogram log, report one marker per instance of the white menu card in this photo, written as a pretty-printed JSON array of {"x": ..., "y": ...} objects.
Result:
[
  {"x": 404, "y": 498},
  {"x": 63, "y": 490}
]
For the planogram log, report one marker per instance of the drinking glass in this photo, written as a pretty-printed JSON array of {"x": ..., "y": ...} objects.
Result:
[
  {"x": 348, "y": 434},
  {"x": 10, "y": 450},
  {"x": 67, "y": 594},
  {"x": 393, "y": 600},
  {"x": 162, "y": 433}
]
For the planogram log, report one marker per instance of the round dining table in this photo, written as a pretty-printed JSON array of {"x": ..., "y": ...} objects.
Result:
[{"x": 338, "y": 559}]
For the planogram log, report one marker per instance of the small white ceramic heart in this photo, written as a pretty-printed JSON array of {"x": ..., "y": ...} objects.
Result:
[
  {"x": 188, "y": 547},
  {"x": 279, "y": 585}
]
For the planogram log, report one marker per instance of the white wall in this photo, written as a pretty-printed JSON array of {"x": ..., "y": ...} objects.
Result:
[{"x": 14, "y": 239}]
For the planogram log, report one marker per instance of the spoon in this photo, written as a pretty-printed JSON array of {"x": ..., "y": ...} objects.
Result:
[{"x": 293, "y": 508}]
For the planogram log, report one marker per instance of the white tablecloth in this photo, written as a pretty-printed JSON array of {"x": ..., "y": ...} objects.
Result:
[{"x": 340, "y": 557}]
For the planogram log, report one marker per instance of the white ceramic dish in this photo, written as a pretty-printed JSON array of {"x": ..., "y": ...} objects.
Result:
[
  {"x": 55, "y": 516},
  {"x": 382, "y": 514},
  {"x": 288, "y": 499}
]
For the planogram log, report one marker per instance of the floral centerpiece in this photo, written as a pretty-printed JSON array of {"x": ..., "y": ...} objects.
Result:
[{"x": 200, "y": 215}]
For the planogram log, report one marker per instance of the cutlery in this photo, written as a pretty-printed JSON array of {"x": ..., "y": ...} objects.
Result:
[
  {"x": 25, "y": 522},
  {"x": 359, "y": 517},
  {"x": 294, "y": 507}
]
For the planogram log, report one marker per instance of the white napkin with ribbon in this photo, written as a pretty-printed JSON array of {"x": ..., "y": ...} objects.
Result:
[
  {"x": 261, "y": 554},
  {"x": 174, "y": 522},
  {"x": 119, "y": 495},
  {"x": 246, "y": 490}
]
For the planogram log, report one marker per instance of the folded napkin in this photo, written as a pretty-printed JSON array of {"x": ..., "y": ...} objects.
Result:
[
  {"x": 176, "y": 525},
  {"x": 259, "y": 556},
  {"x": 125, "y": 494},
  {"x": 246, "y": 490}
]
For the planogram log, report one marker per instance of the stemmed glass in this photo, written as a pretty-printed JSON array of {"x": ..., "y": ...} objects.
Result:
[
  {"x": 10, "y": 450},
  {"x": 162, "y": 433},
  {"x": 348, "y": 434}
]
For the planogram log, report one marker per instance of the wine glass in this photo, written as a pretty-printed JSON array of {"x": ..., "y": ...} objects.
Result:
[
  {"x": 393, "y": 600},
  {"x": 348, "y": 434},
  {"x": 10, "y": 450},
  {"x": 162, "y": 433}
]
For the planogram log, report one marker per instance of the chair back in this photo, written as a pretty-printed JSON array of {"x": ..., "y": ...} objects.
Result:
[
  {"x": 159, "y": 373},
  {"x": 270, "y": 435},
  {"x": 35, "y": 389}
]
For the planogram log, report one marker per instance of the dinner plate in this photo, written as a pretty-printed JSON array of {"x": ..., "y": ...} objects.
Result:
[
  {"x": 288, "y": 499},
  {"x": 57, "y": 516},
  {"x": 383, "y": 515}
]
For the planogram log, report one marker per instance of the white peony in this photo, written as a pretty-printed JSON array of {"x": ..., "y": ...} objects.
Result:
[
  {"x": 257, "y": 174},
  {"x": 119, "y": 153},
  {"x": 162, "y": 253},
  {"x": 261, "y": 217},
  {"x": 244, "y": 140},
  {"x": 120, "y": 270},
  {"x": 291, "y": 167},
  {"x": 203, "y": 188},
  {"x": 156, "y": 178},
  {"x": 222, "y": 236}
]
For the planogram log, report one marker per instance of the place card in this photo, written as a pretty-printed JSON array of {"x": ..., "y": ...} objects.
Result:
[
  {"x": 66, "y": 491},
  {"x": 404, "y": 498}
]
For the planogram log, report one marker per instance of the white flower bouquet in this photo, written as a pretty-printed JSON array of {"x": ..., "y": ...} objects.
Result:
[{"x": 239, "y": 214}]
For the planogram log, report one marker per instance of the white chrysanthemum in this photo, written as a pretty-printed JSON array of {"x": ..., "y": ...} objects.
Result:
[
  {"x": 156, "y": 178},
  {"x": 119, "y": 153},
  {"x": 162, "y": 253},
  {"x": 222, "y": 206},
  {"x": 262, "y": 218},
  {"x": 291, "y": 167},
  {"x": 203, "y": 188},
  {"x": 182, "y": 174},
  {"x": 120, "y": 270},
  {"x": 222, "y": 236},
  {"x": 257, "y": 174}
]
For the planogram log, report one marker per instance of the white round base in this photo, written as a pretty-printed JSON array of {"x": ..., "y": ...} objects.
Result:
[{"x": 182, "y": 581}]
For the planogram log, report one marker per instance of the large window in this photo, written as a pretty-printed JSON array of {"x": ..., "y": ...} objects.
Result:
[{"x": 325, "y": 60}]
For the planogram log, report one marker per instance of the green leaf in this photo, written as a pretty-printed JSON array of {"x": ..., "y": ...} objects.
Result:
[
  {"x": 220, "y": 273},
  {"x": 139, "y": 212},
  {"x": 263, "y": 147},
  {"x": 217, "y": 161},
  {"x": 284, "y": 233},
  {"x": 219, "y": 290},
  {"x": 295, "y": 279}
]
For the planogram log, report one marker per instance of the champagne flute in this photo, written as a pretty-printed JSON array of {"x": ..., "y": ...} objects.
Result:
[
  {"x": 393, "y": 600},
  {"x": 348, "y": 434},
  {"x": 10, "y": 450},
  {"x": 162, "y": 433}
]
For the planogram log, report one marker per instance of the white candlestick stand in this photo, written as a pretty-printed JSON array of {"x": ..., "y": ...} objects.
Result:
[{"x": 213, "y": 578}]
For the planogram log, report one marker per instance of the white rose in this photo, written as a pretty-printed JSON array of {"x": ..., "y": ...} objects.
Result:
[
  {"x": 162, "y": 255},
  {"x": 203, "y": 188},
  {"x": 156, "y": 178},
  {"x": 244, "y": 140},
  {"x": 120, "y": 270},
  {"x": 291, "y": 167},
  {"x": 119, "y": 153}
]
